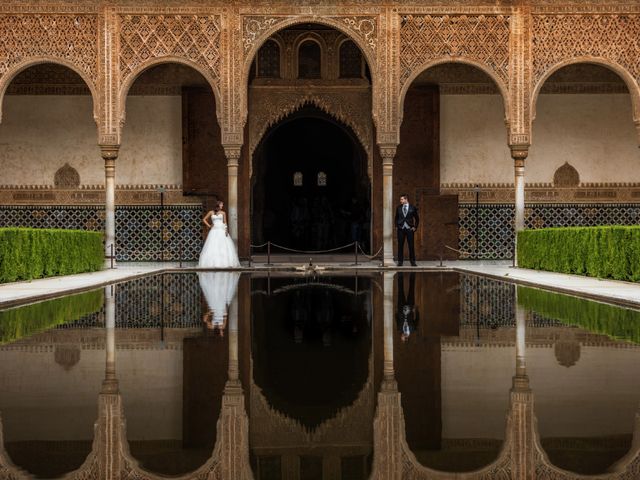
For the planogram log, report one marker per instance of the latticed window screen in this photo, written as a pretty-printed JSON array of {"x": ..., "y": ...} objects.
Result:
[
  {"x": 309, "y": 60},
  {"x": 322, "y": 179},
  {"x": 269, "y": 60},
  {"x": 297, "y": 179},
  {"x": 350, "y": 60}
]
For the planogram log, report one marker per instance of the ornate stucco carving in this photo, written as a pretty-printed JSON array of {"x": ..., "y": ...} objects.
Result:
[
  {"x": 71, "y": 38},
  {"x": 480, "y": 38},
  {"x": 193, "y": 37},
  {"x": 351, "y": 108}
]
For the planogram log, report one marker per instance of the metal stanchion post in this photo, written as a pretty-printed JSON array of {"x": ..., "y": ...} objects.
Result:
[
  {"x": 269, "y": 252},
  {"x": 356, "y": 252},
  {"x": 112, "y": 255}
]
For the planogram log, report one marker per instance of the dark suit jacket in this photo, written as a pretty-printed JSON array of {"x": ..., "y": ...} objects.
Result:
[{"x": 412, "y": 218}]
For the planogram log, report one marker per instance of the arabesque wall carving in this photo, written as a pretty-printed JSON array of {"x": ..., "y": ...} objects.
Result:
[
  {"x": 481, "y": 38},
  {"x": 72, "y": 38},
  {"x": 193, "y": 37}
]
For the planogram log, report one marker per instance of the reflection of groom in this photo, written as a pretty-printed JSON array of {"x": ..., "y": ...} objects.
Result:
[
  {"x": 406, "y": 222},
  {"x": 407, "y": 313}
]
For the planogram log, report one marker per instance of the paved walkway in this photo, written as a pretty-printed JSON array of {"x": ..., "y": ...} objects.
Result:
[{"x": 622, "y": 293}]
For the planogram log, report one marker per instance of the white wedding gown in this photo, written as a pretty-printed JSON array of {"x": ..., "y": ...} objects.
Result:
[
  {"x": 219, "y": 251},
  {"x": 219, "y": 288}
]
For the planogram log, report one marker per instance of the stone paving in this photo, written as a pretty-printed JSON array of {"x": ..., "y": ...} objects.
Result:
[{"x": 622, "y": 293}]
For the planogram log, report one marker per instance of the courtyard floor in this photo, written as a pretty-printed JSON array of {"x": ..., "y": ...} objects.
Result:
[{"x": 620, "y": 293}]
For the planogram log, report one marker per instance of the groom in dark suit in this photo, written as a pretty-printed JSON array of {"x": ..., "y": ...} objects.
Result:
[{"x": 406, "y": 222}]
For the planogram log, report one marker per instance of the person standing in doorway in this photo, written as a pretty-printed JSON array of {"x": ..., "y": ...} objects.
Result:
[{"x": 407, "y": 223}]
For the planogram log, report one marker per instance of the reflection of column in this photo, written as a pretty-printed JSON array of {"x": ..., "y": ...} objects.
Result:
[
  {"x": 233, "y": 381},
  {"x": 521, "y": 426},
  {"x": 110, "y": 383},
  {"x": 233, "y": 424},
  {"x": 520, "y": 380},
  {"x": 388, "y": 328},
  {"x": 109, "y": 154},
  {"x": 388, "y": 425},
  {"x": 388, "y": 153},
  {"x": 519, "y": 155},
  {"x": 109, "y": 427},
  {"x": 233, "y": 158}
]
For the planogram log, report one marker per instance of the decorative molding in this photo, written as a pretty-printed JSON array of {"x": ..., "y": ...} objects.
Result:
[{"x": 604, "y": 193}]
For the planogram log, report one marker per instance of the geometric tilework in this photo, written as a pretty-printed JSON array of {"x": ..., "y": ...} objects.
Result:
[
  {"x": 141, "y": 231},
  {"x": 495, "y": 223},
  {"x": 488, "y": 304},
  {"x": 166, "y": 300}
]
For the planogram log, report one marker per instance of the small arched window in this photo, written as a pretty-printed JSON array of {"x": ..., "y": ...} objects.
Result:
[
  {"x": 297, "y": 179},
  {"x": 322, "y": 179},
  {"x": 309, "y": 60},
  {"x": 269, "y": 60},
  {"x": 350, "y": 60}
]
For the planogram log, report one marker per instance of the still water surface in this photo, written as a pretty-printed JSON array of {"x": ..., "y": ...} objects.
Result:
[{"x": 316, "y": 363}]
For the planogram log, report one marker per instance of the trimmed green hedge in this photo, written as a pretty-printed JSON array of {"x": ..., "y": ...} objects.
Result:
[
  {"x": 604, "y": 252},
  {"x": 27, "y": 253},
  {"x": 25, "y": 321},
  {"x": 615, "y": 322}
]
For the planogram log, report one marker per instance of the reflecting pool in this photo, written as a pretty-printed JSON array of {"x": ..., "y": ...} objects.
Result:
[{"x": 273, "y": 376}]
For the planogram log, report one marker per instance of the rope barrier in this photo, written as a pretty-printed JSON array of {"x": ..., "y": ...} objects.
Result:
[
  {"x": 312, "y": 252},
  {"x": 370, "y": 257}
]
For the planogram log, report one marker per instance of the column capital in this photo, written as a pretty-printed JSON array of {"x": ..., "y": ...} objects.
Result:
[
  {"x": 519, "y": 153},
  {"x": 232, "y": 152},
  {"x": 388, "y": 152},
  {"x": 109, "y": 152}
]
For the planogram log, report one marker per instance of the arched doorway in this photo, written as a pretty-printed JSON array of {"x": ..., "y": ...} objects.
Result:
[
  {"x": 310, "y": 142},
  {"x": 310, "y": 185}
]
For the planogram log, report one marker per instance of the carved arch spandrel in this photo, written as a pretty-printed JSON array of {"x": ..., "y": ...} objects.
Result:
[
  {"x": 256, "y": 29},
  {"x": 608, "y": 38},
  {"x": 479, "y": 38},
  {"x": 69, "y": 39},
  {"x": 345, "y": 108},
  {"x": 192, "y": 38}
]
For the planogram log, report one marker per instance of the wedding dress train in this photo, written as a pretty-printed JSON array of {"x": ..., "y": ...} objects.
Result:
[{"x": 219, "y": 251}]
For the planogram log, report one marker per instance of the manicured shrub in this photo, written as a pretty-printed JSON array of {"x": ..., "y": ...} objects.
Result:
[
  {"x": 20, "y": 322},
  {"x": 604, "y": 252},
  {"x": 615, "y": 322},
  {"x": 27, "y": 253}
]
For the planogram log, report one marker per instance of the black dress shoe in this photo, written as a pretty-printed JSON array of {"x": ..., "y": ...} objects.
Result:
[{"x": 414, "y": 264}]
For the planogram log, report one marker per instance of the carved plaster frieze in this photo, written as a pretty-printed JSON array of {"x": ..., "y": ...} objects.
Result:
[
  {"x": 362, "y": 28},
  {"x": 192, "y": 37},
  {"x": 93, "y": 195},
  {"x": 483, "y": 39},
  {"x": 71, "y": 39},
  {"x": 612, "y": 39},
  {"x": 353, "y": 108},
  {"x": 597, "y": 193}
]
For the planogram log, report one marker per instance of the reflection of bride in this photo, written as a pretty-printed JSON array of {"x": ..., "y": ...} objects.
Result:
[
  {"x": 219, "y": 288},
  {"x": 219, "y": 250}
]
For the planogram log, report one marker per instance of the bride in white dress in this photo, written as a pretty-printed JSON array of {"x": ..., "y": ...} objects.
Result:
[{"x": 219, "y": 251}]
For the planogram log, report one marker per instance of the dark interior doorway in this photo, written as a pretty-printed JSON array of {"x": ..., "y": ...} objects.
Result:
[{"x": 311, "y": 190}]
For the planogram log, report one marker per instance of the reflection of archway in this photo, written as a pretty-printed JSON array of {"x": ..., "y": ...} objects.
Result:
[
  {"x": 311, "y": 350},
  {"x": 311, "y": 190}
]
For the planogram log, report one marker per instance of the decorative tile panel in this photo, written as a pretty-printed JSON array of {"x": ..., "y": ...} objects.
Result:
[{"x": 142, "y": 232}]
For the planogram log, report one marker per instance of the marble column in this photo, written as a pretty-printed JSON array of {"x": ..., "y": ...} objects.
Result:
[
  {"x": 519, "y": 154},
  {"x": 233, "y": 161},
  {"x": 520, "y": 377},
  {"x": 388, "y": 153},
  {"x": 233, "y": 381},
  {"x": 109, "y": 154}
]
